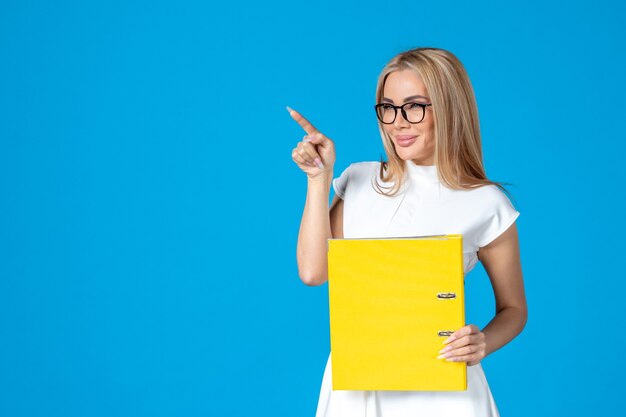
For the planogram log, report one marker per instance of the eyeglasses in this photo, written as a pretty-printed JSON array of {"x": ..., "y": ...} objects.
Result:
[{"x": 412, "y": 112}]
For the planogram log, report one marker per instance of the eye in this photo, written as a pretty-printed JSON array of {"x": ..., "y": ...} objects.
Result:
[
  {"x": 413, "y": 106},
  {"x": 386, "y": 107}
]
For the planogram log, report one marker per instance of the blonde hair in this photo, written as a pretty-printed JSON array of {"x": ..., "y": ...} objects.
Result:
[{"x": 458, "y": 150}]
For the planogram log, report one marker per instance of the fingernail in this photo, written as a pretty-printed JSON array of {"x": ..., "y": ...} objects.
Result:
[
  {"x": 306, "y": 139},
  {"x": 319, "y": 163},
  {"x": 289, "y": 109},
  {"x": 447, "y": 348},
  {"x": 441, "y": 357},
  {"x": 448, "y": 340}
]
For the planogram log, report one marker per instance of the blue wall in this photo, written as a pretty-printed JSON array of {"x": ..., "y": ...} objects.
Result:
[{"x": 149, "y": 206}]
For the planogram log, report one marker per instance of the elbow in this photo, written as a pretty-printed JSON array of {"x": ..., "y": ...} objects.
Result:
[
  {"x": 524, "y": 318},
  {"x": 517, "y": 317},
  {"x": 312, "y": 279}
]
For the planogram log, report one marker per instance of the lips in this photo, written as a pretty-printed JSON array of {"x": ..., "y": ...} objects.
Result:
[{"x": 405, "y": 140}]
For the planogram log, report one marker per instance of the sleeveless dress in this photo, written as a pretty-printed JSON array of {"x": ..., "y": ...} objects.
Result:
[{"x": 424, "y": 206}]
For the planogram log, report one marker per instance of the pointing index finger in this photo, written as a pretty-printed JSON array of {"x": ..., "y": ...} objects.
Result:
[{"x": 302, "y": 121}]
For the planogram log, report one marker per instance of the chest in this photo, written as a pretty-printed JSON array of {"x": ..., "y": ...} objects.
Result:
[{"x": 429, "y": 209}]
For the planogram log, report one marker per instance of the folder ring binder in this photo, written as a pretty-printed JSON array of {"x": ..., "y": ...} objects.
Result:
[
  {"x": 446, "y": 295},
  {"x": 445, "y": 332}
]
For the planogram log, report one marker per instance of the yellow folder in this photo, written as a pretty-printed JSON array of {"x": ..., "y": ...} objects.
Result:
[{"x": 392, "y": 303}]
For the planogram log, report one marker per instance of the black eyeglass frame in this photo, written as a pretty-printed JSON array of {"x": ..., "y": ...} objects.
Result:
[{"x": 395, "y": 109}]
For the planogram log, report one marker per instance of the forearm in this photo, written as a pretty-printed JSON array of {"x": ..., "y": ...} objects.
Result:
[
  {"x": 507, "y": 323},
  {"x": 314, "y": 232}
]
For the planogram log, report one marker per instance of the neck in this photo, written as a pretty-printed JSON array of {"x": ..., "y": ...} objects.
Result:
[{"x": 427, "y": 173}]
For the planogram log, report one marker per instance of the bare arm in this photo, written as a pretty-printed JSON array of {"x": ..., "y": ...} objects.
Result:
[
  {"x": 501, "y": 259},
  {"x": 315, "y": 155},
  {"x": 318, "y": 224}
]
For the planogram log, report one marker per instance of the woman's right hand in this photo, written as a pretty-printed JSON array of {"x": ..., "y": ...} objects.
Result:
[{"x": 315, "y": 154}]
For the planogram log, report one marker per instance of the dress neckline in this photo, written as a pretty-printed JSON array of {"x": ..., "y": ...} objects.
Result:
[{"x": 424, "y": 173}]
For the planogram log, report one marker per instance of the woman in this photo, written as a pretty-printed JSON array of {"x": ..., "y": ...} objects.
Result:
[{"x": 433, "y": 183}]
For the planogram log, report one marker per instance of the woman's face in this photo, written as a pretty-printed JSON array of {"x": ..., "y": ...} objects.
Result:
[{"x": 414, "y": 142}]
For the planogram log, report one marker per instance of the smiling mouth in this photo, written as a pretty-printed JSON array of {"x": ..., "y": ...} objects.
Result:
[{"x": 405, "y": 140}]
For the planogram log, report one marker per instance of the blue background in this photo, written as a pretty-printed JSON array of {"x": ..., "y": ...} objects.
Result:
[{"x": 150, "y": 208}]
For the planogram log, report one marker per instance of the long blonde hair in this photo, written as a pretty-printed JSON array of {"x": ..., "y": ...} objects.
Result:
[{"x": 458, "y": 150}]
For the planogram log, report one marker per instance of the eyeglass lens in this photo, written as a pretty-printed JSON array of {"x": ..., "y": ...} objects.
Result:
[{"x": 414, "y": 113}]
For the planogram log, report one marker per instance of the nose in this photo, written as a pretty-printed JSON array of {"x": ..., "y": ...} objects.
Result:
[{"x": 400, "y": 121}]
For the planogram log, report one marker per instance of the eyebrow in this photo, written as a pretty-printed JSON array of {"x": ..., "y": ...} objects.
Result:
[{"x": 406, "y": 100}]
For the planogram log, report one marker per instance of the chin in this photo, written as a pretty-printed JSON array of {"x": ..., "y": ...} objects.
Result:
[
  {"x": 411, "y": 154},
  {"x": 406, "y": 154}
]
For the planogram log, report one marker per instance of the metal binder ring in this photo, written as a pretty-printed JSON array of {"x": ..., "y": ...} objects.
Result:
[
  {"x": 445, "y": 333},
  {"x": 446, "y": 295}
]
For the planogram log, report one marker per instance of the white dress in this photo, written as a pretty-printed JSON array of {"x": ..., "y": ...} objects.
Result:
[{"x": 424, "y": 206}]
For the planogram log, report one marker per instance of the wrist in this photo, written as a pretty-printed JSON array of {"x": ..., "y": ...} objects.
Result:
[{"x": 323, "y": 178}]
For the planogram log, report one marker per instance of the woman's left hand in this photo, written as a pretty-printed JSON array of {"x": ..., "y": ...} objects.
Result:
[{"x": 465, "y": 345}]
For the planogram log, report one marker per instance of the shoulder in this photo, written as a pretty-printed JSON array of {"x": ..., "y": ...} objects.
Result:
[
  {"x": 488, "y": 195},
  {"x": 485, "y": 202},
  {"x": 359, "y": 169},
  {"x": 364, "y": 168},
  {"x": 493, "y": 212},
  {"x": 355, "y": 175}
]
